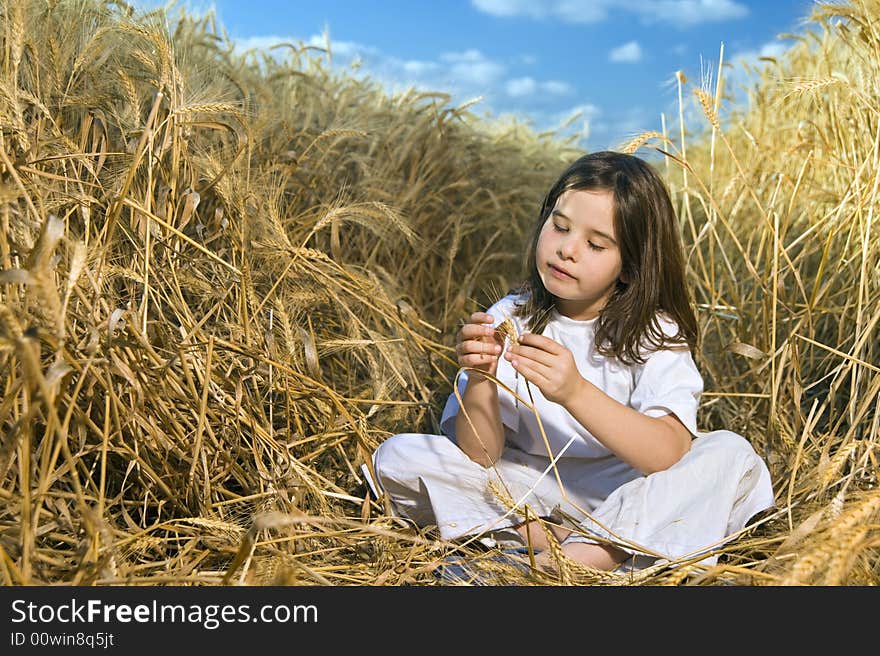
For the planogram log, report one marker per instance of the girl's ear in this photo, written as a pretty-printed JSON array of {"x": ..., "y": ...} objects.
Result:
[{"x": 624, "y": 278}]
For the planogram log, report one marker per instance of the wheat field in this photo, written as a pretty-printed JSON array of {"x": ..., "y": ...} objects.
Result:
[{"x": 226, "y": 277}]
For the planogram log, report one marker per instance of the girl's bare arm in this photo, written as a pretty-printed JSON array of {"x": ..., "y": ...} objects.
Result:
[
  {"x": 649, "y": 444},
  {"x": 478, "y": 428}
]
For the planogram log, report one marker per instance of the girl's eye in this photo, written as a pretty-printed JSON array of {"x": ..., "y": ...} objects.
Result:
[
  {"x": 559, "y": 228},
  {"x": 594, "y": 247}
]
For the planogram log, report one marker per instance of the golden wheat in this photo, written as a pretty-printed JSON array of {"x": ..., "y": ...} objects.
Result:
[
  {"x": 640, "y": 140},
  {"x": 707, "y": 105},
  {"x": 507, "y": 330}
]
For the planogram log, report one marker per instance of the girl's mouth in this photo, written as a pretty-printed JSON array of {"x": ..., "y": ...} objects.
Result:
[{"x": 559, "y": 273}]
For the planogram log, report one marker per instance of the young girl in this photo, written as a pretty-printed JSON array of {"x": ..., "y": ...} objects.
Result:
[{"x": 609, "y": 453}]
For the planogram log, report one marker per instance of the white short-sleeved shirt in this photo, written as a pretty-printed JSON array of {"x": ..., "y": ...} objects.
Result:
[{"x": 667, "y": 383}]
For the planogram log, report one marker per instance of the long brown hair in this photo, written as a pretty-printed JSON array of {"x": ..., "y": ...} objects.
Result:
[{"x": 651, "y": 252}]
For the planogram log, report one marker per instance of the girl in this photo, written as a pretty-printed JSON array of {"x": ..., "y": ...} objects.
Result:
[{"x": 608, "y": 453}]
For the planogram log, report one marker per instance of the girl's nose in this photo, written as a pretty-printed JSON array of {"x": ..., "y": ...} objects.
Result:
[{"x": 566, "y": 248}]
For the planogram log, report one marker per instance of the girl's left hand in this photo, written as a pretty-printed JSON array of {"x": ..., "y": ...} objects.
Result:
[{"x": 547, "y": 364}]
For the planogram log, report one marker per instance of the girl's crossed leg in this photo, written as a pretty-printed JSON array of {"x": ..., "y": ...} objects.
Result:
[{"x": 597, "y": 556}]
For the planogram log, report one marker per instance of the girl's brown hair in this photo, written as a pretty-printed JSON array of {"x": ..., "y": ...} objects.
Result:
[{"x": 651, "y": 251}]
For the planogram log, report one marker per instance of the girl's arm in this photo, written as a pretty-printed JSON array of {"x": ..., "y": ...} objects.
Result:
[
  {"x": 648, "y": 444},
  {"x": 478, "y": 346},
  {"x": 484, "y": 441}
]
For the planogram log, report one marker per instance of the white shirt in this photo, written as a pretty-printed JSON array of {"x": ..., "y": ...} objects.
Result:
[{"x": 668, "y": 382}]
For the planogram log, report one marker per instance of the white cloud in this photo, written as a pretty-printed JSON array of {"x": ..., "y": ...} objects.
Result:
[
  {"x": 682, "y": 13},
  {"x": 419, "y": 68},
  {"x": 470, "y": 55},
  {"x": 527, "y": 86},
  {"x": 628, "y": 52},
  {"x": 557, "y": 88},
  {"x": 688, "y": 12},
  {"x": 521, "y": 86},
  {"x": 570, "y": 11},
  {"x": 471, "y": 67},
  {"x": 511, "y": 7}
]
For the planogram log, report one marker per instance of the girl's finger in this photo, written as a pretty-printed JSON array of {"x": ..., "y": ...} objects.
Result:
[
  {"x": 533, "y": 354},
  {"x": 529, "y": 372},
  {"x": 481, "y": 348},
  {"x": 473, "y": 331},
  {"x": 470, "y": 347},
  {"x": 541, "y": 342},
  {"x": 477, "y": 359}
]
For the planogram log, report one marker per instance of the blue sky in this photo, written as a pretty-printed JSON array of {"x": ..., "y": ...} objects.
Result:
[{"x": 610, "y": 62}]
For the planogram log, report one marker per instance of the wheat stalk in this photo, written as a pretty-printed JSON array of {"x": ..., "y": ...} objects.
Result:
[
  {"x": 206, "y": 108},
  {"x": 859, "y": 513},
  {"x": 640, "y": 140},
  {"x": 708, "y": 109},
  {"x": 507, "y": 330},
  {"x": 841, "y": 561},
  {"x": 802, "y": 87}
]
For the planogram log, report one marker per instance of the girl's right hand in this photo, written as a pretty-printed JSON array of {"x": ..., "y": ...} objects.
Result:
[{"x": 478, "y": 344}]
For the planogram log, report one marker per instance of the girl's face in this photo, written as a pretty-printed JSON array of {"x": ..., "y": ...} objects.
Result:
[{"x": 577, "y": 256}]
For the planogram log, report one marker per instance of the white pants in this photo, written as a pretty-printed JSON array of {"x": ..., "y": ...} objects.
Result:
[{"x": 687, "y": 509}]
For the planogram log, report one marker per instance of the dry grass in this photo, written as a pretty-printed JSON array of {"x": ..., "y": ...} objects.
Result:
[{"x": 226, "y": 278}]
